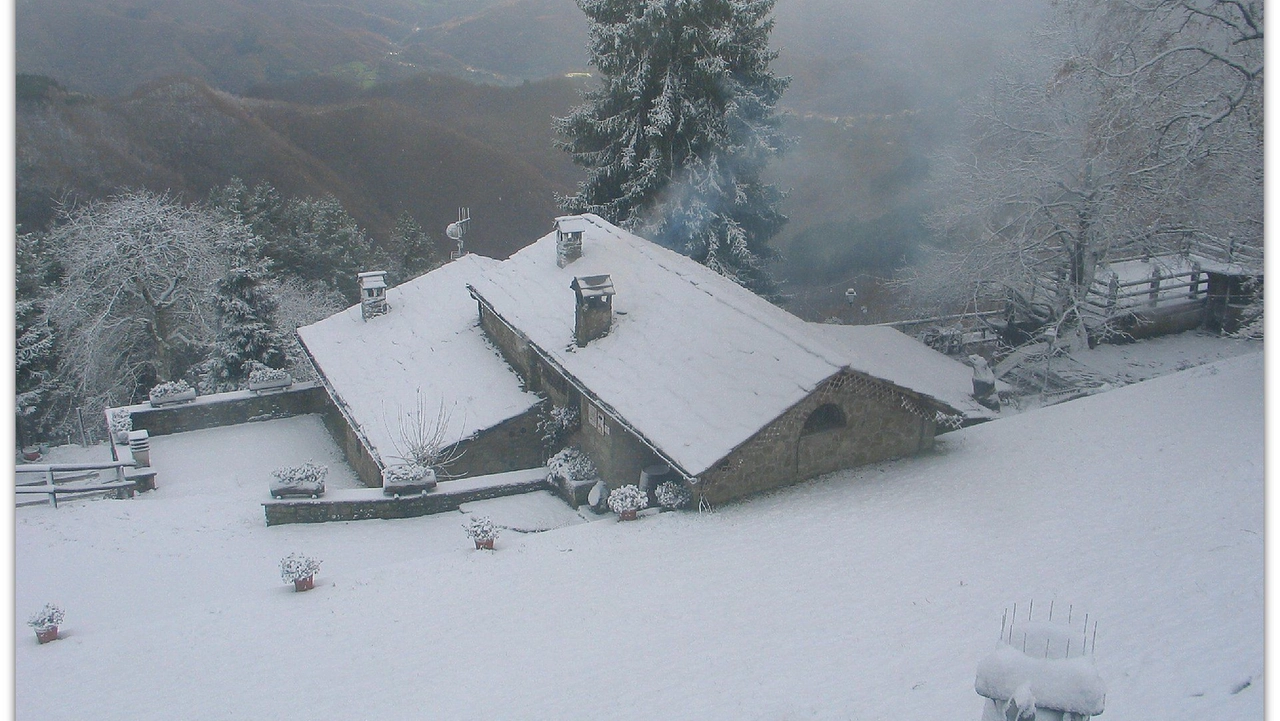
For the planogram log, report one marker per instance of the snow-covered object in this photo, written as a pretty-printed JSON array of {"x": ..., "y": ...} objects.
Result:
[
  {"x": 304, "y": 480},
  {"x": 694, "y": 362},
  {"x": 672, "y": 494},
  {"x": 264, "y": 377},
  {"x": 48, "y": 617},
  {"x": 295, "y": 567},
  {"x": 481, "y": 528},
  {"x": 1069, "y": 684},
  {"x": 405, "y": 478},
  {"x": 627, "y": 498},
  {"x": 121, "y": 421},
  {"x": 171, "y": 392},
  {"x": 431, "y": 348},
  {"x": 570, "y": 465}
]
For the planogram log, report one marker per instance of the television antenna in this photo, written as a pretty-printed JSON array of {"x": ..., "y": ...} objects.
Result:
[{"x": 457, "y": 230}]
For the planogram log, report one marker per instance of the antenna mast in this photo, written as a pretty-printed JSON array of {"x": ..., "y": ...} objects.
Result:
[{"x": 457, "y": 230}]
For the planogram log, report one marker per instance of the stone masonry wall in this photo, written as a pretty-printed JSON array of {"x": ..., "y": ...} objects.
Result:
[
  {"x": 619, "y": 456},
  {"x": 512, "y": 445},
  {"x": 226, "y": 409},
  {"x": 877, "y": 428}
]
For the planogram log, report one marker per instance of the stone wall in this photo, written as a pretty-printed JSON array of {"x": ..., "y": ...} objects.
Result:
[
  {"x": 619, "y": 456},
  {"x": 876, "y": 427},
  {"x": 512, "y": 445},
  {"x": 357, "y": 455},
  {"x": 228, "y": 409}
]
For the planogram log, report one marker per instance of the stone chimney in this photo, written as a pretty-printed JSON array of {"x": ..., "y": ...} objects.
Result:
[
  {"x": 569, "y": 238},
  {"x": 593, "y": 314},
  {"x": 373, "y": 293}
]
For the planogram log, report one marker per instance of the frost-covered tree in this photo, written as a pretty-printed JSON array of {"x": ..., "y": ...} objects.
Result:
[
  {"x": 677, "y": 134},
  {"x": 243, "y": 306},
  {"x": 1123, "y": 128},
  {"x": 40, "y": 396},
  {"x": 412, "y": 252},
  {"x": 133, "y": 307}
]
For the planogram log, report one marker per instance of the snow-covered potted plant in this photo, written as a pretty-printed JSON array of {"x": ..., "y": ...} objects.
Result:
[
  {"x": 121, "y": 422},
  {"x": 299, "y": 570},
  {"x": 264, "y": 378},
  {"x": 46, "y": 622},
  {"x": 572, "y": 472},
  {"x": 402, "y": 479},
  {"x": 178, "y": 391},
  {"x": 627, "y": 501},
  {"x": 304, "y": 480},
  {"x": 481, "y": 530},
  {"x": 672, "y": 495}
]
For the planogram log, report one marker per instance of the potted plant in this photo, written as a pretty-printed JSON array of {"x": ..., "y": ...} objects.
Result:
[
  {"x": 403, "y": 479},
  {"x": 627, "y": 501},
  {"x": 264, "y": 378},
  {"x": 482, "y": 531},
  {"x": 672, "y": 495},
  {"x": 31, "y": 454},
  {"x": 121, "y": 423},
  {"x": 299, "y": 570},
  {"x": 46, "y": 622},
  {"x": 169, "y": 392},
  {"x": 573, "y": 474},
  {"x": 304, "y": 480}
]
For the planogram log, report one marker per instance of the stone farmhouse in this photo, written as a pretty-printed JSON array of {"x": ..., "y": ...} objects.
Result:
[{"x": 669, "y": 365}]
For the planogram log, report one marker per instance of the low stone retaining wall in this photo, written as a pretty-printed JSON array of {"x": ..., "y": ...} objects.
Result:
[
  {"x": 1152, "y": 322},
  {"x": 368, "y": 503},
  {"x": 227, "y": 409}
]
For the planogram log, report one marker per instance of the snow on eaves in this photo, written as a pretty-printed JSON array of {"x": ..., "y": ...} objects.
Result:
[
  {"x": 693, "y": 361},
  {"x": 889, "y": 354},
  {"x": 429, "y": 346}
]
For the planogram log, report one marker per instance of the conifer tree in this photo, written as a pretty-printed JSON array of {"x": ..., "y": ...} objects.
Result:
[
  {"x": 680, "y": 128},
  {"x": 243, "y": 307}
]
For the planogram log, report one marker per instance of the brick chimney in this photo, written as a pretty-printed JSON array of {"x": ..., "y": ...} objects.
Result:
[
  {"x": 593, "y": 314},
  {"x": 569, "y": 238}
]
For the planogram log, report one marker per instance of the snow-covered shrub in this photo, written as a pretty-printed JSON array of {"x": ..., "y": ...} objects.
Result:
[
  {"x": 46, "y": 618},
  {"x": 307, "y": 474},
  {"x": 121, "y": 421},
  {"x": 295, "y": 567},
  {"x": 481, "y": 528},
  {"x": 556, "y": 424},
  {"x": 627, "y": 498},
  {"x": 168, "y": 389},
  {"x": 266, "y": 374},
  {"x": 672, "y": 494},
  {"x": 403, "y": 473},
  {"x": 570, "y": 466}
]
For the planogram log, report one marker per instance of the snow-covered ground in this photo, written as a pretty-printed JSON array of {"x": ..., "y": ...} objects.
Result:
[{"x": 869, "y": 594}]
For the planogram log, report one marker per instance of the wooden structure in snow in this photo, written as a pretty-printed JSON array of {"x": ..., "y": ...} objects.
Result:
[{"x": 1042, "y": 670}]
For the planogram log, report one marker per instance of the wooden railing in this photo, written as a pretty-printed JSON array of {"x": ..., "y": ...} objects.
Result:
[
  {"x": 52, "y": 484},
  {"x": 1111, "y": 296}
]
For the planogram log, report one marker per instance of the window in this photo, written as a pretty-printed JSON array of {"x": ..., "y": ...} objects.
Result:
[{"x": 824, "y": 418}]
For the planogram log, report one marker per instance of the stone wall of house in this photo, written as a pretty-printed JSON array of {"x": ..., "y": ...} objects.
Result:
[
  {"x": 227, "y": 409},
  {"x": 358, "y": 456},
  {"x": 876, "y": 427},
  {"x": 513, "y": 347},
  {"x": 619, "y": 456},
  {"x": 512, "y": 445}
]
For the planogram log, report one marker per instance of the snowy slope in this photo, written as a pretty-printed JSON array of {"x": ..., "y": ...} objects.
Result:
[{"x": 869, "y": 594}]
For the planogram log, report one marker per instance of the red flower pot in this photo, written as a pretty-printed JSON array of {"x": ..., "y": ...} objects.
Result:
[
  {"x": 629, "y": 515},
  {"x": 486, "y": 544},
  {"x": 46, "y": 635},
  {"x": 303, "y": 584}
]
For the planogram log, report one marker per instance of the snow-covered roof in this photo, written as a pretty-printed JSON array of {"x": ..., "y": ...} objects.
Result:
[
  {"x": 429, "y": 347},
  {"x": 888, "y": 353},
  {"x": 694, "y": 362}
]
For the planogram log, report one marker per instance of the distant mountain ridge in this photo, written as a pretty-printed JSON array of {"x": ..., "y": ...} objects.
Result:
[{"x": 414, "y": 147}]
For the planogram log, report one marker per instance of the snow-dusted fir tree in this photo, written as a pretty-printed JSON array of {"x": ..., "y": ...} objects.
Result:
[
  {"x": 675, "y": 137},
  {"x": 243, "y": 306}
]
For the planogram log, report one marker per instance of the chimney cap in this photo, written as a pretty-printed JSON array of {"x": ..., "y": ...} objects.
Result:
[
  {"x": 373, "y": 279},
  {"x": 572, "y": 224},
  {"x": 593, "y": 286}
]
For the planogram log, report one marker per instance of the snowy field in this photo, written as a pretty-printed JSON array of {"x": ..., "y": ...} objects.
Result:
[{"x": 868, "y": 594}]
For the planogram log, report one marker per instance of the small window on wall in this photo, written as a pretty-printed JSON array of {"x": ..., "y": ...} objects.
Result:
[{"x": 824, "y": 418}]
